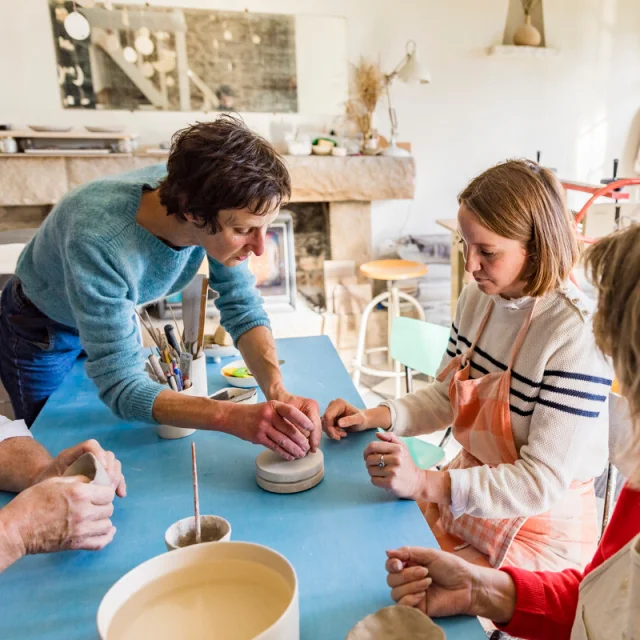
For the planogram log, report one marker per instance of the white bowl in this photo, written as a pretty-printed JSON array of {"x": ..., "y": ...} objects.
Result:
[
  {"x": 182, "y": 533},
  {"x": 236, "y": 585},
  {"x": 242, "y": 383}
]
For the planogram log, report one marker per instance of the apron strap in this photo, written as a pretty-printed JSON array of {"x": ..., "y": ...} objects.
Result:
[
  {"x": 469, "y": 352},
  {"x": 521, "y": 335}
]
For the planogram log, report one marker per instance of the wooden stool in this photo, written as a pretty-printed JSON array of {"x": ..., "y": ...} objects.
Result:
[{"x": 390, "y": 271}]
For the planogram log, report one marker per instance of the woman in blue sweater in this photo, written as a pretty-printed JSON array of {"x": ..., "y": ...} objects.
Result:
[{"x": 126, "y": 240}]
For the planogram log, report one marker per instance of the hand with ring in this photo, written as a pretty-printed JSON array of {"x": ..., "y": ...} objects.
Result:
[{"x": 391, "y": 467}]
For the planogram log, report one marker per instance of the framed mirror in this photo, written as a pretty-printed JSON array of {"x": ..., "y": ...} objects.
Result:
[{"x": 139, "y": 57}]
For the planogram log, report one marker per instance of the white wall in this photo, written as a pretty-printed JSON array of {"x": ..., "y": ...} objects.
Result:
[{"x": 581, "y": 108}]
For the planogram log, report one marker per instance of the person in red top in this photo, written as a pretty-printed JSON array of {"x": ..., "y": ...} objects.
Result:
[{"x": 603, "y": 601}]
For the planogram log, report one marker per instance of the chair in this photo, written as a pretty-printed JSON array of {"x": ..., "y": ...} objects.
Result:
[
  {"x": 391, "y": 272},
  {"x": 609, "y": 484},
  {"x": 419, "y": 346}
]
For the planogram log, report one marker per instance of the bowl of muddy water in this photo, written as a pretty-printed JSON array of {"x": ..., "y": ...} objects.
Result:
[
  {"x": 234, "y": 590},
  {"x": 183, "y": 533}
]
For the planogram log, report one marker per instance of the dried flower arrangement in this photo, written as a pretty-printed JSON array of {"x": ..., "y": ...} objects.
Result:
[
  {"x": 368, "y": 84},
  {"x": 529, "y": 6}
]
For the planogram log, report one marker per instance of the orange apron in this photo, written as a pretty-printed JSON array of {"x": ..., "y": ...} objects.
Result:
[{"x": 564, "y": 537}]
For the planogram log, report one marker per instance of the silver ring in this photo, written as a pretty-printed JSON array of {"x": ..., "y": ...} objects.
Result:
[{"x": 382, "y": 464}]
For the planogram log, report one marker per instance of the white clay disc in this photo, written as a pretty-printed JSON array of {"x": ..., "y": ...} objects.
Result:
[
  {"x": 272, "y": 468},
  {"x": 290, "y": 487}
]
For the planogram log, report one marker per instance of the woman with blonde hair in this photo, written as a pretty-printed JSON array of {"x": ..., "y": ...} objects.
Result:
[
  {"x": 604, "y": 601},
  {"x": 522, "y": 383}
]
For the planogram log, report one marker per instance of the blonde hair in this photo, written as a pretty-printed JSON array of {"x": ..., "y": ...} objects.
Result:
[
  {"x": 613, "y": 266},
  {"x": 520, "y": 200}
]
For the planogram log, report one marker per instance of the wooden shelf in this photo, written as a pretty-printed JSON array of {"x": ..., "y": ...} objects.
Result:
[
  {"x": 70, "y": 154},
  {"x": 66, "y": 135},
  {"x": 522, "y": 52}
]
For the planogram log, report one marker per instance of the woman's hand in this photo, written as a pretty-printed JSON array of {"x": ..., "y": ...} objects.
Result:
[
  {"x": 441, "y": 584},
  {"x": 342, "y": 418},
  {"x": 392, "y": 468},
  {"x": 108, "y": 460}
]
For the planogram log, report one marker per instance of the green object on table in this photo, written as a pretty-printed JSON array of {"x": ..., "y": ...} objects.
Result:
[{"x": 420, "y": 346}]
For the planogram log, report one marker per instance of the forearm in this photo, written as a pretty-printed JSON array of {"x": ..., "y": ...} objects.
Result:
[
  {"x": 189, "y": 412},
  {"x": 258, "y": 349},
  {"x": 494, "y": 595},
  {"x": 434, "y": 487},
  {"x": 425, "y": 411},
  {"x": 11, "y": 546},
  {"x": 22, "y": 460}
]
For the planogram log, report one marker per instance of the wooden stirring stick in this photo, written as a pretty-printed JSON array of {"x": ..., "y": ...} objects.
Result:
[{"x": 196, "y": 499}]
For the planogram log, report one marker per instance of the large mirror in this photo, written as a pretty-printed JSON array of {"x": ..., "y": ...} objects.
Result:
[{"x": 180, "y": 59}]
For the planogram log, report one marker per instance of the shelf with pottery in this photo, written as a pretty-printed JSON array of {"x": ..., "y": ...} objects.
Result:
[
  {"x": 67, "y": 135},
  {"x": 521, "y": 51}
]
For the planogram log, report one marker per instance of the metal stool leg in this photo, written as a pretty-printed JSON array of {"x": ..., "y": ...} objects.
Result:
[{"x": 357, "y": 362}]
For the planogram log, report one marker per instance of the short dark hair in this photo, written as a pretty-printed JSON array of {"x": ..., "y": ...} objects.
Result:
[{"x": 222, "y": 165}]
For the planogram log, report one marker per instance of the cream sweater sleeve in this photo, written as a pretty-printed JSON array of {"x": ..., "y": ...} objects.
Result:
[
  {"x": 569, "y": 423},
  {"x": 428, "y": 410}
]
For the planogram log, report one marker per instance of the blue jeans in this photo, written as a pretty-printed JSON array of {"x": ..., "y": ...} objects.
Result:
[{"x": 36, "y": 353}]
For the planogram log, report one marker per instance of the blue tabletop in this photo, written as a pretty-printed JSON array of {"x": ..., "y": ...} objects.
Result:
[{"x": 335, "y": 535}]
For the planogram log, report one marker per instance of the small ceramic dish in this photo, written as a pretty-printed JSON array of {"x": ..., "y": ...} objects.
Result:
[
  {"x": 89, "y": 466},
  {"x": 234, "y": 394},
  {"x": 44, "y": 128},
  {"x": 237, "y": 375},
  {"x": 321, "y": 149},
  {"x": 104, "y": 129},
  {"x": 183, "y": 533}
]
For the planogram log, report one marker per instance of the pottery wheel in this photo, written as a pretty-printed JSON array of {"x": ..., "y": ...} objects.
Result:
[
  {"x": 281, "y": 476},
  {"x": 396, "y": 623}
]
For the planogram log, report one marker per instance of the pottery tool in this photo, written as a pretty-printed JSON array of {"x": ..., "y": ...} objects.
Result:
[
  {"x": 190, "y": 312},
  {"x": 203, "y": 314},
  {"x": 277, "y": 475},
  {"x": 171, "y": 338},
  {"x": 234, "y": 395},
  {"x": 175, "y": 322},
  {"x": 157, "y": 369},
  {"x": 196, "y": 499}
]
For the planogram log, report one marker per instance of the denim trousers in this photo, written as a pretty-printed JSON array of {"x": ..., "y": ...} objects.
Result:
[{"x": 36, "y": 352}]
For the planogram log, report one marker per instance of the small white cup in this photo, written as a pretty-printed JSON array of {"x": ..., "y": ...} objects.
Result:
[
  {"x": 198, "y": 388},
  {"x": 183, "y": 533}
]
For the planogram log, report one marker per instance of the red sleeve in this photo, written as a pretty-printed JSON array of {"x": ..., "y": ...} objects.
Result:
[{"x": 546, "y": 601}]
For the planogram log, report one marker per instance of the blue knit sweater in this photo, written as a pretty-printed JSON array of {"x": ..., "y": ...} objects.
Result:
[{"x": 91, "y": 264}]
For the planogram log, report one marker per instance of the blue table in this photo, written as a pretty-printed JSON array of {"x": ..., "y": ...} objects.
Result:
[{"x": 335, "y": 535}]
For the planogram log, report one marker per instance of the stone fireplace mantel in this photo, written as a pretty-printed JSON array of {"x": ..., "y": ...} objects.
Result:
[
  {"x": 348, "y": 185},
  {"x": 32, "y": 181}
]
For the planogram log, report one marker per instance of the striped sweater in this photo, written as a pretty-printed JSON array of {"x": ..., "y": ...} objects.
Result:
[{"x": 559, "y": 401}]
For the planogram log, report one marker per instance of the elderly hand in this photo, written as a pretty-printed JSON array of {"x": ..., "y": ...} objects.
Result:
[
  {"x": 309, "y": 408},
  {"x": 436, "y": 582},
  {"x": 59, "y": 514},
  {"x": 392, "y": 468},
  {"x": 440, "y": 583},
  {"x": 342, "y": 418},
  {"x": 108, "y": 460}
]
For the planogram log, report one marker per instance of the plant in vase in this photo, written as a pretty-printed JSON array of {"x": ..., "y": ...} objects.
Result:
[
  {"x": 367, "y": 87},
  {"x": 527, "y": 35}
]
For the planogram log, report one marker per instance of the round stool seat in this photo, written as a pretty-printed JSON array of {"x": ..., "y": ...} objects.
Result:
[{"x": 393, "y": 269}]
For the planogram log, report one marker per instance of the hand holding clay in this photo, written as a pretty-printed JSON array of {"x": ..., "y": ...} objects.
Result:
[
  {"x": 66, "y": 458},
  {"x": 310, "y": 409},
  {"x": 341, "y": 418},
  {"x": 272, "y": 424},
  {"x": 392, "y": 468},
  {"x": 60, "y": 514},
  {"x": 436, "y": 582}
]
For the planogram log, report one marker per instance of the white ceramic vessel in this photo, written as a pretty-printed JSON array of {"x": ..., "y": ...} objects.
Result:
[
  {"x": 198, "y": 388},
  {"x": 207, "y": 558}
]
